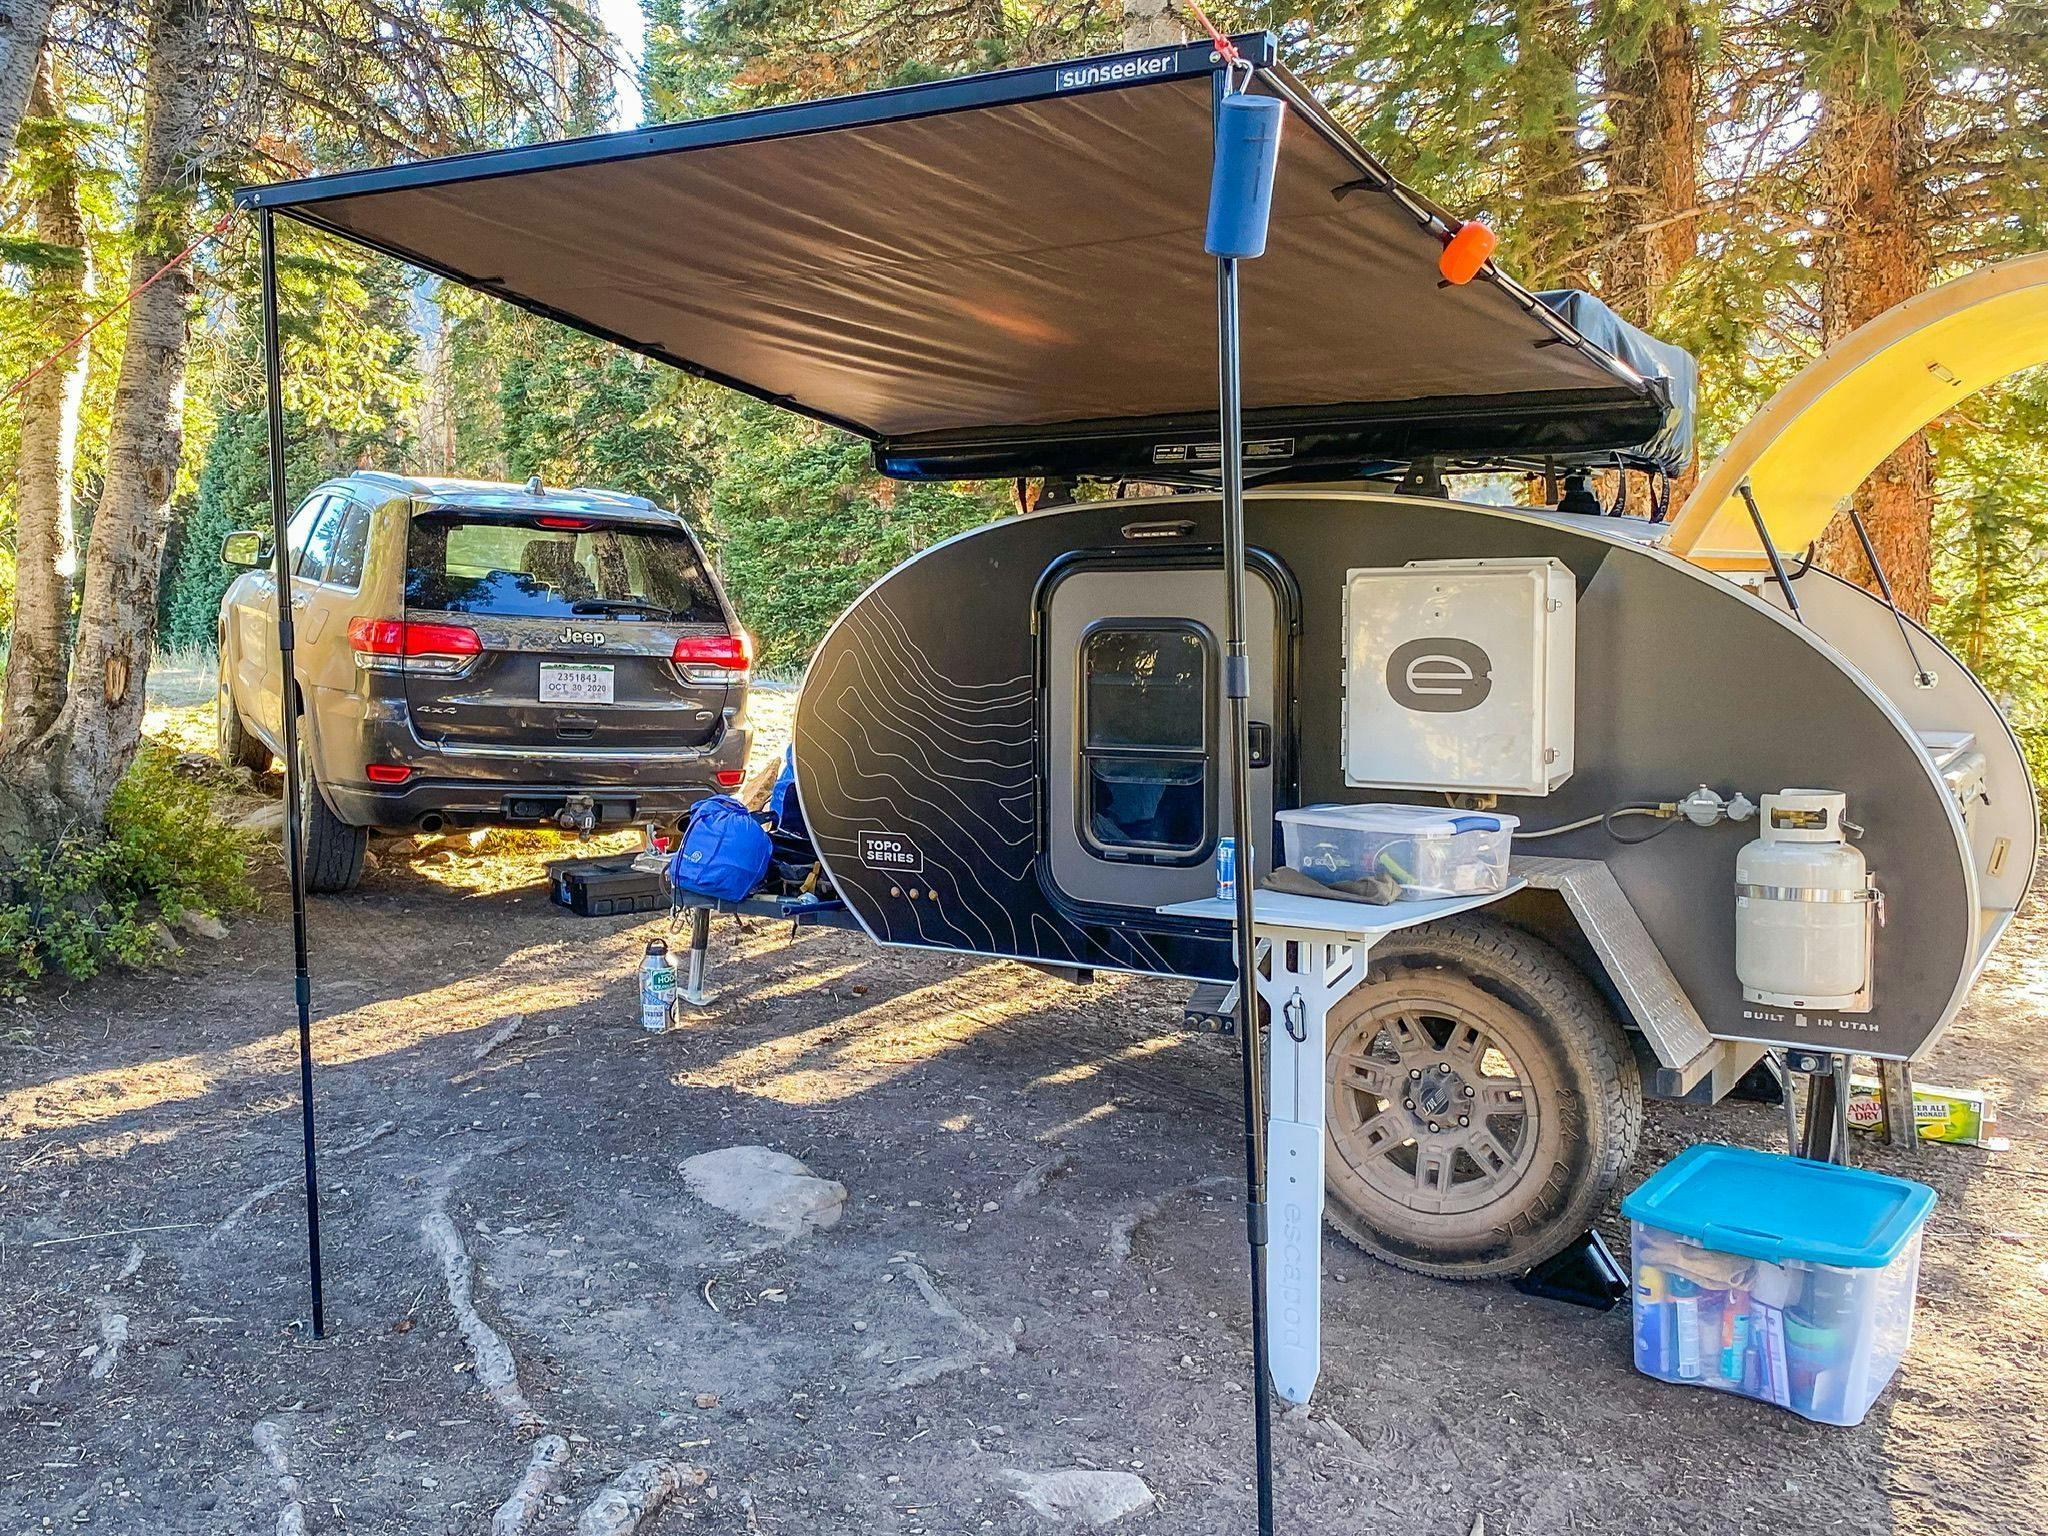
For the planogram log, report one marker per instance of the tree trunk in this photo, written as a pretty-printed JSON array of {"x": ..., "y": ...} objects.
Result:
[
  {"x": 1546, "y": 237},
  {"x": 1653, "y": 161},
  {"x": 23, "y": 26},
  {"x": 1874, "y": 252},
  {"x": 49, "y": 441},
  {"x": 1152, "y": 24},
  {"x": 66, "y": 775}
]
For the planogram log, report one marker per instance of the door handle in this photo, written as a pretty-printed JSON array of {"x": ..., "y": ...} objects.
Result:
[{"x": 1261, "y": 744}]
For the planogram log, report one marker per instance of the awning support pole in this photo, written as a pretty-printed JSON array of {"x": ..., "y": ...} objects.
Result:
[
  {"x": 294, "y": 832},
  {"x": 1237, "y": 689}
]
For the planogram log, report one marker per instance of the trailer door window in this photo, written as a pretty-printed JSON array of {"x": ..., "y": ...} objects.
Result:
[{"x": 1145, "y": 740}]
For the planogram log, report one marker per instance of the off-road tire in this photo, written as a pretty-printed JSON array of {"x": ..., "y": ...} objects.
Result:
[
  {"x": 334, "y": 849},
  {"x": 239, "y": 747},
  {"x": 1580, "y": 1089}
]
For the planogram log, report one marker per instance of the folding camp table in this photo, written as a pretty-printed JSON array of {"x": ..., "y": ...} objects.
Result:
[{"x": 1315, "y": 952}]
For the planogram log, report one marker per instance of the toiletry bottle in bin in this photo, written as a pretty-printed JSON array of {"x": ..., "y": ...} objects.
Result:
[{"x": 657, "y": 986}]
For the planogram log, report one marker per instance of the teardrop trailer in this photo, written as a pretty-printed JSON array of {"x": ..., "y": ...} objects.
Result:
[{"x": 1031, "y": 740}]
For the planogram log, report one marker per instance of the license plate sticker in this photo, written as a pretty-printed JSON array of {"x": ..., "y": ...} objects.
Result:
[{"x": 563, "y": 683}]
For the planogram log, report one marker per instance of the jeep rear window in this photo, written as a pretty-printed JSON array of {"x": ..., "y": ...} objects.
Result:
[{"x": 520, "y": 568}]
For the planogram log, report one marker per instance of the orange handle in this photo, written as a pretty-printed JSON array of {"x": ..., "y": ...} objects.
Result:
[{"x": 1466, "y": 252}]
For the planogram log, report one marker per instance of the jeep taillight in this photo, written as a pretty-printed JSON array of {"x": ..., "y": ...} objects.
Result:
[
  {"x": 714, "y": 658},
  {"x": 393, "y": 645}
]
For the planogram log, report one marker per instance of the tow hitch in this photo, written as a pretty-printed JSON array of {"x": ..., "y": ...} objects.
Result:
[{"x": 578, "y": 814}]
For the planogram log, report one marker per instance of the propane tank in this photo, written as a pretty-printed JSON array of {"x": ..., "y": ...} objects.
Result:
[{"x": 1805, "y": 907}]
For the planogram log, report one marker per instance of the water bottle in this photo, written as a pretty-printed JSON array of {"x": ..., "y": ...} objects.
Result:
[
  {"x": 657, "y": 986},
  {"x": 1226, "y": 869}
]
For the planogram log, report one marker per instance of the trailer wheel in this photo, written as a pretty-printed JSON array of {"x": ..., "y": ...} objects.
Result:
[{"x": 1482, "y": 1102}]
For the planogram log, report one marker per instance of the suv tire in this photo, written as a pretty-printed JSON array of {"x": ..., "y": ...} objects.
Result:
[
  {"x": 334, "y": 849},
  {"x": 238, "y": 746},
  {"x": 1465, "y": 1014}
]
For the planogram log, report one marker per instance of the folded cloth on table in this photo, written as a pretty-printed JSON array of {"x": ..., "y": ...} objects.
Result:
[{"x": 1379, "y": 890}]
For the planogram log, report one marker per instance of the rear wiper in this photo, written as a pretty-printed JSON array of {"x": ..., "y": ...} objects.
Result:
[{"x": 621, "y": 605}]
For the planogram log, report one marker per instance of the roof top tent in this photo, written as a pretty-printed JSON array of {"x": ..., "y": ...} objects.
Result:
[{"x": 1031, "y": 740}]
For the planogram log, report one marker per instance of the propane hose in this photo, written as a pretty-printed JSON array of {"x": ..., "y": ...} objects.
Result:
[{"x": 1666, "y": 811}]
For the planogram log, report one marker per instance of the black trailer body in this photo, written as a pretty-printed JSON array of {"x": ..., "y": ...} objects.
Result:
[{"x": 943, "y": 772}]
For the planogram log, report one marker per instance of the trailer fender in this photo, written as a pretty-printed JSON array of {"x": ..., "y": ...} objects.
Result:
[{"x": 1581, "y": 910}]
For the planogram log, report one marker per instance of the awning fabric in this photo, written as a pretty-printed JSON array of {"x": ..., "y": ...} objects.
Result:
[{"x": 1005, "y": 273}]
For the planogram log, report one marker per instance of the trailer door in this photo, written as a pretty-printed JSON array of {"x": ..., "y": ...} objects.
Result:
[{"x": 1132, "y": 675}]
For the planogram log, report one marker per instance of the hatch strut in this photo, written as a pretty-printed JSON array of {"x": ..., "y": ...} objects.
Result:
[
  {"x": 1763, "y": 536},
  {"x": 1922, "y": 678}
]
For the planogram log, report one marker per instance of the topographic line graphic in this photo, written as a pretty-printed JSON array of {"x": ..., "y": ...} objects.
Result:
[
  {"x": 915, "y": 800},
  {"x": 892, "y": 709},
  {"x": 985, "y": 809},
  {"x": 861, "y": 711},
  {"x": 883, "y": 616},
  {"x": 894, "y": 744},
  {"x": 923, "y": 801},
  {"x": 893, "y": 685}
]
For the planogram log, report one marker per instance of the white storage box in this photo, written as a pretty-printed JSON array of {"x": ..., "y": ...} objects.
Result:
[
  {"x": 1432, "y": 853},
  {"x": 1460, "y": 675}
]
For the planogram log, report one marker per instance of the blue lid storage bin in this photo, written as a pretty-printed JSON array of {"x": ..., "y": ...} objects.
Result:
[{"x": 1776, "y": 1278}]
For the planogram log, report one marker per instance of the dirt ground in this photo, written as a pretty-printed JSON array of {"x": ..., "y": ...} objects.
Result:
[{"x": 1040, "y": 1263}]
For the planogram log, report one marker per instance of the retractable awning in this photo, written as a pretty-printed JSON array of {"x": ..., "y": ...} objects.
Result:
[{"x": 1004, "y": 274}]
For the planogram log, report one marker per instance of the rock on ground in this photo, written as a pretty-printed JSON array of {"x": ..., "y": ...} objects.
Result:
[
  {"x": 766, "y": 1188},
  {"x": 1079, "y": 1498},
  {"x": 263, "y": 819},
  {"x": 202, "y": 925}
]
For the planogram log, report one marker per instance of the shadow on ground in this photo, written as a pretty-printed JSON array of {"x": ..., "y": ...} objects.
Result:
[{"x": 1039, "y": 1264}]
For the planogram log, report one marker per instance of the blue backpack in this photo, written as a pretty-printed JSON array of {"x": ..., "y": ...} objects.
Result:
[{"x": 725, "y": 851}]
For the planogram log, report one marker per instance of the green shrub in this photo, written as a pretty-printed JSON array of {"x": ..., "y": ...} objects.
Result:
[{"x": 85, "y": 903}]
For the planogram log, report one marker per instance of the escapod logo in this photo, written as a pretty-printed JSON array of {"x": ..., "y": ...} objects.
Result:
[{"x": 1439, "y": 676}]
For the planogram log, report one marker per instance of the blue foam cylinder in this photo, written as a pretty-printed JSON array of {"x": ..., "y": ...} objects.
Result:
[{"x": 1241, "y": 181}]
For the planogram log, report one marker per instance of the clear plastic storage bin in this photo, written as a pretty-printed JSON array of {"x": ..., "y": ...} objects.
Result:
[
  {"x": 1430, "y": 852},
  {"x": 1776, "y": 1278}
]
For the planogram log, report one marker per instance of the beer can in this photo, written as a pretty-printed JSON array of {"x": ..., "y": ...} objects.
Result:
[{"x": 1226, "y": 869}]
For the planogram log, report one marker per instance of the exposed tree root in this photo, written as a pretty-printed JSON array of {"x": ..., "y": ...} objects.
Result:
[
  {"x": 269, "y": 1438},
  {"x": 277, "y": 1187},
  {"x": 1124, "y": 1229},
  {"x": 1037, "y": 1180},
  {"x": 498, "y": 1037},
  {"x": 989, "y": 1344},
  {"x": 517, "y": 1514},
  {"x": 636, "y": 1493},
  {"x": 495, "y": 1367}
]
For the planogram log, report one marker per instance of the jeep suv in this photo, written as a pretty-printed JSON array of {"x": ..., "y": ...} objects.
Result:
[{"x": 483, "y": 655}]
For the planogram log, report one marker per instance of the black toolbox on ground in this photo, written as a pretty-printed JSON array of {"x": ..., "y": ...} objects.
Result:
[{"x": 606, "y": 886}]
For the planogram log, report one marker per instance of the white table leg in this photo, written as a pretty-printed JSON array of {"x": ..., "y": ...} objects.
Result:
[{"x": 1303, "y": 978}]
